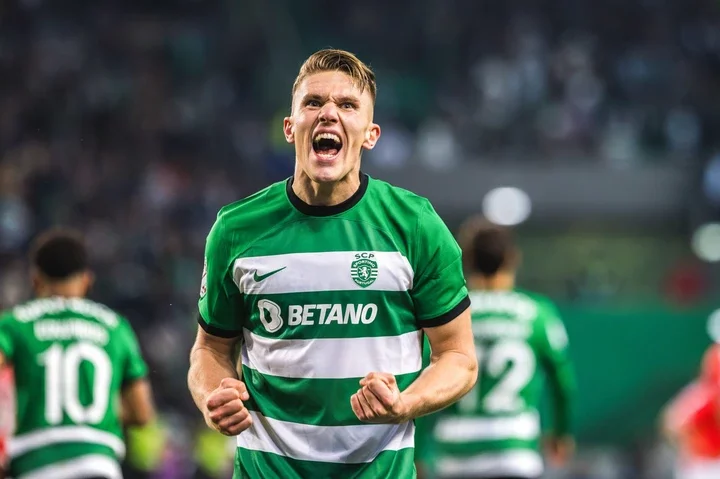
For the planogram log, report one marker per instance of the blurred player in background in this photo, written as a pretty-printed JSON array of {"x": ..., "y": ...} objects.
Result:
[
  {"x": 494, "y": 431},
  {"x": 7, "y": 413},
  {"x": 691, "y": 422},
  {"x": 79, "y": 375}
]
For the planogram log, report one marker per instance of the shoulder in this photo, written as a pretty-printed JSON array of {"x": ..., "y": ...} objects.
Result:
[
  {"x": 399, "y": 199},
  {"x": 100, "y": 312},
  {"x": 409, "y": 212},
  {"x": 518, "y": 304},
  {"x": 548, "y": 321},
  {"x": 543, "y": 303},
  {"x": 263, "y": 200},
  {"x": 261, "y": 210},
  {"x": 6, "y": 316},
  {"x": 25, "y": 312}
]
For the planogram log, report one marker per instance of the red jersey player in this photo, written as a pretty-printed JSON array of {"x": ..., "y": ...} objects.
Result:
[
  {"x": 7, "y": 414},
  {"x": 692, "y": 422}
]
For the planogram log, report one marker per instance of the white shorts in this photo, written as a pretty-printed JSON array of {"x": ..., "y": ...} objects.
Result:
[{"x": 698, "y": 469}]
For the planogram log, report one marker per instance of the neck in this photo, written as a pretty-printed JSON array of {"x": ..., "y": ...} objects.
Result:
[
  {"x": 502, "y": 281},
  {"x": 63, "y": 290},
  {"x": 325, "y": 194}
]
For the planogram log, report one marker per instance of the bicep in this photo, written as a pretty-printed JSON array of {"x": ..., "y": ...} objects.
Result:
[
  {"x": 137, "y": 402},
  {"x": 453, "y": 336},
  {"x": 218, "y": 345},
  {"x": 136, "y": 393}
]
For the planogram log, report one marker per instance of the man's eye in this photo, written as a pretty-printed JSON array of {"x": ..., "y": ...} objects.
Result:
[
  {"x": 348, "y": 106},
  {"x": 312, "y": 103}
]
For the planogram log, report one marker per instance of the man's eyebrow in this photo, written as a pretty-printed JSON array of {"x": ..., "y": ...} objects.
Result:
[
  {"x": 348, "y": 99},
  {"x": 312, "y": 96}
]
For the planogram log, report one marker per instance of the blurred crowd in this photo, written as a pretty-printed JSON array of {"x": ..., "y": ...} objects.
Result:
[{"x": 135, "y": 121}]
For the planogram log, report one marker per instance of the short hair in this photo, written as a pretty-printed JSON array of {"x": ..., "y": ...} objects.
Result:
[
  {"x": 487, "y": 247},
  {"x": 330, "y": 60},
  {"x": 59, "y": 253}
]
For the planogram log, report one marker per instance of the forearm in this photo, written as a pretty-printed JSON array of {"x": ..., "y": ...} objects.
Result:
[
  {"x": 207, "y": 369},
  {"x": 562, "y": 386},
  {"x": 443, "y": 382}
]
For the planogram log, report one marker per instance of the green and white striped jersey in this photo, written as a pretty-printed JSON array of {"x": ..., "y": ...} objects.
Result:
[
  {"x": 322, "y": 296},
  {"x": 494, "y": 430},
  {"x": 71, "y": 357}
]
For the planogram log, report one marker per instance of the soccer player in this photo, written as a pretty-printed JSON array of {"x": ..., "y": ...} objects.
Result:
[
  {"x": 78, "y": 371},
  {"x": 494, "y": 431},
  {"x": 691, "y": 421},
  {"x": 7, "y": 414},
  {"x": 330, "y": 279}
]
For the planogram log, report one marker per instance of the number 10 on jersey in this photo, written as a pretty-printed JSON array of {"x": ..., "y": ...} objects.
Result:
[{"x": 62, "y": 383}]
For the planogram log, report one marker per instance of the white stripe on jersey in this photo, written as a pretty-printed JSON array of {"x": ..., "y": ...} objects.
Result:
[
  {"x": 338, "y": 444},
  {"x": 83, "y": 466},
  {"x": 24, "y": 443},
  {"x": 313, "y": 272},
  {"x": 317, "y": 358},
  {"x": 518, "y": 462},
  {"x": 525, "y": 426}
]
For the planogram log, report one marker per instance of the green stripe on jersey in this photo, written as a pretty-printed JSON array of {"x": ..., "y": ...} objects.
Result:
[
  {"x": 389, "y": 464},
  {"x": 307, "y": 400},
  {"x": 57, "y": 453},
  {"x": 331, "y": 314}
]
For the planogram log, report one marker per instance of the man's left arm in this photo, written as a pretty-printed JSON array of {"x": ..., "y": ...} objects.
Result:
[
  {"x": 452, "y": 371},
  {"x": 554, "y": 354},
  {"x": 442, "y": 312}
]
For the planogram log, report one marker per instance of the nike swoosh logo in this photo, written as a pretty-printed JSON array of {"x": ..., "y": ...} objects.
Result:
[{"x": 261, "y": 277}]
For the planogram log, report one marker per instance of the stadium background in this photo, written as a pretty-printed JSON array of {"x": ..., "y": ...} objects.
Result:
[{"x": 136, "y": 120}]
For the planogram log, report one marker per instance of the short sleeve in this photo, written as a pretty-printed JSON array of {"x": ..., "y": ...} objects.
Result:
[
  {"x": 7, "y": 344},
  {"x": 554, "y": 351},
  {"x": 439, "y": 291},
  {"x": 554, "y": 337},
  {"x": 219, "y": 297},
  {"x": 135, "y": 367}
]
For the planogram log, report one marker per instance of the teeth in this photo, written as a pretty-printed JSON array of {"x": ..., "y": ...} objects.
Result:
[{"x": 327, "y": 136}]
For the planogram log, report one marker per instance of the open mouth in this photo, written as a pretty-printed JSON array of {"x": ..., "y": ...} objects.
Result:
[{"x": 326, "y": 145}]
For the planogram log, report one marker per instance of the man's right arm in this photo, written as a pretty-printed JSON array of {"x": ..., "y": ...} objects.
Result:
[
  {"x": 214, "y": 385},
  {"x": 561, "y": 379},
  {"x": 212, "y": 378},
  {"x": 137, "y": 404}
]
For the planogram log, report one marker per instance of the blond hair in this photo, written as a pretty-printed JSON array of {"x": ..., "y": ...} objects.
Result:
[{"x": 330, "y": 60}]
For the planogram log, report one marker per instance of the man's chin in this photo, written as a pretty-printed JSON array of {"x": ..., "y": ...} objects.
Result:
[
  {"x": 327, "y": 172},
  {"x": 326, "y": 177}
]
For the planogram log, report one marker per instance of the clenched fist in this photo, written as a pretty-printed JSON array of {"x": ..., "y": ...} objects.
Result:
[
  {"x": 379, "y": 401},
  {"x": 225, "y": 410}
]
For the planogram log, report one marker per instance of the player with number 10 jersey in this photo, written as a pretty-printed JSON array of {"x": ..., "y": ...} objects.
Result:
[{"x": 78, "y": 372}]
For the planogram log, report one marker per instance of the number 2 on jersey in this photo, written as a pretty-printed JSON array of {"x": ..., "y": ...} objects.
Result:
[
  {"x": 62, "y": 383},
  {"x": 512, "y": 363}
]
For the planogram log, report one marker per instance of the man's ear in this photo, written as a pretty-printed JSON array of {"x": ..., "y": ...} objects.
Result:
[
  {"x": 371, "y": 136},
  {"x": 289, "y": 129}
]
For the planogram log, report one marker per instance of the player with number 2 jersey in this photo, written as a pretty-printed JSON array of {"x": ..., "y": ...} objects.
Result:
[
  {"x": 494, "y": 431},
  {"x": 78, "y": 371}
]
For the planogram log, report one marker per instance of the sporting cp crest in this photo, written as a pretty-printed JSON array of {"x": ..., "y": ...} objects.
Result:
[{"x": 364, "y": 270}]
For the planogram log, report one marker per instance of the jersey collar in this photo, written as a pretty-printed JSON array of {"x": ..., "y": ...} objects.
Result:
[{"x": 318, "y": 210}]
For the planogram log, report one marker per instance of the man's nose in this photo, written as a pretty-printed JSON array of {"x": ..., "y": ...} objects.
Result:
[{"x": 328, "y": 113}]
